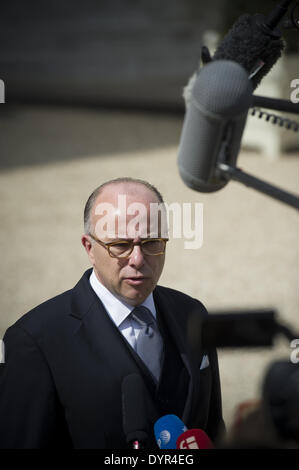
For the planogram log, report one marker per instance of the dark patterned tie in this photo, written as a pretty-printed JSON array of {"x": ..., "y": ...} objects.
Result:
[{"x": 149, "y": 344}]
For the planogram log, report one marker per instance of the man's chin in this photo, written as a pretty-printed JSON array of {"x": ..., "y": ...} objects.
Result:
[{"x": 135, "y": 294}]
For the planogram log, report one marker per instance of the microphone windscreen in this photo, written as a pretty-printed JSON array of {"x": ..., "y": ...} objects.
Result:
[
  {"x": 249, "y": 41},
  {"x": 194, "y": 439},
  {"x": 167, "y": 429},
  {"x": 134, "y": 410}
]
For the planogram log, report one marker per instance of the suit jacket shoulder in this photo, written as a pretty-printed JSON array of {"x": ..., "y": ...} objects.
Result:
[
  {"x": 183, "y": 307},
  {"x": 181, "y": 298},
  {"x": 47, "y": 314},
  {"x": 55, "y": 314}
]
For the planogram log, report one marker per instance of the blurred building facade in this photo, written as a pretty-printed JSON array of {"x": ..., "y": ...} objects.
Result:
[{"x": 118, "y": 53}]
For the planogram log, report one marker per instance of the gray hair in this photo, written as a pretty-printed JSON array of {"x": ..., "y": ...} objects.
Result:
[{"x": 92, "y": 198}]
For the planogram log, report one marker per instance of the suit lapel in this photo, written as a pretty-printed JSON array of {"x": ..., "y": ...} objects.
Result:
[{"x": 98, "y": 330}]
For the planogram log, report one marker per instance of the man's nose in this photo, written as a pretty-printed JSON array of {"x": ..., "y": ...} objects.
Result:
[{"x": 137, "y": 257}]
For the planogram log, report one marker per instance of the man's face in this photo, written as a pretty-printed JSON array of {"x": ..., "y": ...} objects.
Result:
[{"x": 130, "y": 279}]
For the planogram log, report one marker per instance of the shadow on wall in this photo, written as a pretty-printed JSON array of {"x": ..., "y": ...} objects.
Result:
[{"x": 37, "y": 135}]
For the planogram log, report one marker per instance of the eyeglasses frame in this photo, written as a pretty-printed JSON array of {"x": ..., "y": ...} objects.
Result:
[{"x": 107, "y": 245}]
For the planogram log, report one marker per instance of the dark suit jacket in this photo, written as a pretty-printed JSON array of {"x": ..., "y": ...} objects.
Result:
[{"x": 60, "y": 385}]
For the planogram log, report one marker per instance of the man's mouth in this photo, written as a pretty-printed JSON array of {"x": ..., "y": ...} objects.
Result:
[{"x": 136, "y": 280}]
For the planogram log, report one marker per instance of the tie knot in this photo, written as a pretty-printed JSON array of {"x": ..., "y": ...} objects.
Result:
[{"x": 143, "y": 316}]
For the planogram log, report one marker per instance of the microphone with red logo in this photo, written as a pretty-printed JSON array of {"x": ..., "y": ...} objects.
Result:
[{"x": 194, "y": 439}]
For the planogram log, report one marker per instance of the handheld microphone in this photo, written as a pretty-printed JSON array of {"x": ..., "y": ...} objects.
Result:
[
  {"x": 194, "y": 439},
  {"x": 214, "y": 122},
  {"x": 167, "y": 429},
  {"x": 134, "y": 412}
]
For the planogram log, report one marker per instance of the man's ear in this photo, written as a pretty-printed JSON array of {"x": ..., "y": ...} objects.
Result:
[{"x": 85, "y": 240}]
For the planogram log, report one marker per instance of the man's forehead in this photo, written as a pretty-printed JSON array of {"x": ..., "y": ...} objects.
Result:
[
  {"x": 134, "y": 192},
  {"x": 129, "y": 214}
]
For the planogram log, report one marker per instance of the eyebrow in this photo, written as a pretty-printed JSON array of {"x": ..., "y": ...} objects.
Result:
[{"x": 128, "y": 239}]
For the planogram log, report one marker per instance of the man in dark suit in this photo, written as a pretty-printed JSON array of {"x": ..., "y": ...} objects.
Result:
[{"x": 65, "y": 360}]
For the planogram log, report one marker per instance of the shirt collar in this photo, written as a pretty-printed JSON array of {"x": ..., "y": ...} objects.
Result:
[{"x": 117, "y": 309}]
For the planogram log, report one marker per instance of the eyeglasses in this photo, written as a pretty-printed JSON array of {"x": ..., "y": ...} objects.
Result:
[{"x": 124, "y": 248}]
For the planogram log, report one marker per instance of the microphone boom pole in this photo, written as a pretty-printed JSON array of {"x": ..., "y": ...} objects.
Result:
[
  {"x": 277, "y": 14},
  {"x": 262, "y": 186},
  {"x": 276, "y": 104}
]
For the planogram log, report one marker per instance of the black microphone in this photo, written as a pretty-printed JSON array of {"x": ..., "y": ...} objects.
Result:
[
  {"x": 134, "y": 411},
  {"x": 280, "y": 396},
  {"x": 214, "y": 124},
  {"x": 254, "y": 43}
]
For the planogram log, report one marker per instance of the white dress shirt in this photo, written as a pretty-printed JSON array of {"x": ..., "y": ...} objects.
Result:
[{"x": 119, "y": 311}]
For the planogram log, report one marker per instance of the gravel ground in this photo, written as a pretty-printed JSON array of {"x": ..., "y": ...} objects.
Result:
[{"x": 51, "y": 160}]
